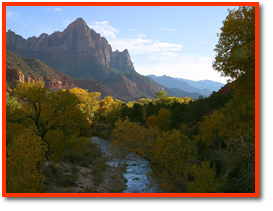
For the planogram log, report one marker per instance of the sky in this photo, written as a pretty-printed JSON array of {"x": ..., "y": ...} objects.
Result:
[{"x": 172, "y": 41}]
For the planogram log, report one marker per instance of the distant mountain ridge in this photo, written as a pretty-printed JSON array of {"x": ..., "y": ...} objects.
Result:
[
  {"x": 204, "y": 88},
  {"x": 80, "y": 52},
  {"x": 208, "y": 84}
]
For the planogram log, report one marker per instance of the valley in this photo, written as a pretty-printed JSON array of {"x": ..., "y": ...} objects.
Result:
[{"x": 75, "y": 107}]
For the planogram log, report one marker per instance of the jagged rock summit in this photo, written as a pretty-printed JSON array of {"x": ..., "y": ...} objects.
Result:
[
  {"x": 77, "y": 43},
  {"x": 82, "y": 53}
]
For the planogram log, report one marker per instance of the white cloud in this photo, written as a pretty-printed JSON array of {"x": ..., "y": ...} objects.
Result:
[
  {"x": 144, "y": 46},
  {"x": 167, "y": 29},
  {"x": 58, "y": 9},
  {"x": 138, "y": 45},
  {"x": 104, "y": 29}
]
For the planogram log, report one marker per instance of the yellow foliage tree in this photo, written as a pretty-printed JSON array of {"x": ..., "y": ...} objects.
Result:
[
  {"x": 210, "y": 127},
  {"x": 151, "y": 121},
  {"x": 163, "y": 121},
  {"x": 88, "y": 101},
  {"x": 104, "y": 106},
  {"x": 171, "y": 153},
  {"x": 24, "y": 155},
  {"x": 144, "y": 101},
  {"x": 56, "y": 115},
  {"x": 204, "y": 180},
  {"x": 168, "y": 152}
]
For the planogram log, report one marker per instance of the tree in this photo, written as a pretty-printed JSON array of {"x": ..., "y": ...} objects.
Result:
[
  {"x": 12, "y": 102},
  {"x": 236, "y": 50},
  {"x": 170, "y": 156},
  {"x": 88, "y": 101},
  {"x": 167, "y": 152},
  {"x": 104, "y": 107},
  {"x": 57, "y": 117},
  {"x": 211, "y": 127},
  {"x": 144, "y": 101},
  {"x": 163, "y": 121},
  {"x": 235, "y": 122},
  {"x": 34, "y": 96},
  {"x": 236, "y": 45},
  {"x": 160, "y": 94},
  {"x": 203, "y": 179},
  {"x": 24, "y": 155},
  {"x": 151, "y": 121}
]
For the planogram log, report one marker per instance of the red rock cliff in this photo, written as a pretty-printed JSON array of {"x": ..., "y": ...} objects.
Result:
[
  {"x": 16, "y": 76},
  {"x": 77, "y": 43}
]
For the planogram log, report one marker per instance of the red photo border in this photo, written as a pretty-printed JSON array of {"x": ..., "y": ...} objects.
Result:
[{"x": 5, "y": 194}]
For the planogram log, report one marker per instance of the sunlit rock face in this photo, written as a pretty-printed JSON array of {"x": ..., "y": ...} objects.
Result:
[
  {"x": 82, "y": 53},
  {"x": 77, "y": 43}
]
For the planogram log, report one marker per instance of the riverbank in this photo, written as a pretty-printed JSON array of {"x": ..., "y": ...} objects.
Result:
[{"x": 91, "y": 174}]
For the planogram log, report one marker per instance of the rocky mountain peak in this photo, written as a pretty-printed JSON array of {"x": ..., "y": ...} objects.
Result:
[
  {"x": 43, "y": 35},
  {"x": 122, "y": 61},
  {"x": 77, "y": 43},
  {"x": 79, "y": 24},
  {"x": 80, "y": 52},
  {"x": 80, "y": 21}
]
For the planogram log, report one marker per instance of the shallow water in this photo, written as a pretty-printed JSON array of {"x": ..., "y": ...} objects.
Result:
[{"x": 135, "y": 171}]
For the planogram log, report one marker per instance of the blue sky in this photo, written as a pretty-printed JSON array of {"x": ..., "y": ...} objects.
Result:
[{"x": 175, "y": 41}]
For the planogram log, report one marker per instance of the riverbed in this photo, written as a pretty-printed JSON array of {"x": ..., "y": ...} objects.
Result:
[{"x": 136, "y": 170}]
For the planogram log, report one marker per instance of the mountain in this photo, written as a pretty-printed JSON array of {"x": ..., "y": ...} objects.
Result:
[
  {"x": 80, "y": 52},
  {"x": 180, "y": 84},
  {"x": 203, "y": 84},
  {"x": 31, "y": 69}
]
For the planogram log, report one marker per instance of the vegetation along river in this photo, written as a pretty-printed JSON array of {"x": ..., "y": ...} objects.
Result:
[{"x": 136, "y": 170}]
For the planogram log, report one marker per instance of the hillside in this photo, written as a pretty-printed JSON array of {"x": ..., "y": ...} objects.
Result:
[
  {"x": 202, "y": 84},
  {"x": 31, "y": 69}
]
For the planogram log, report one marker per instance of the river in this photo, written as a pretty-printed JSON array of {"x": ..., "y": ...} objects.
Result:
[{"x": 136, "y": 170}]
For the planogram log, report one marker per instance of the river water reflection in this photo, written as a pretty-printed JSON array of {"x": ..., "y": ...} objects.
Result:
[{"x": 135, "y": 172}]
